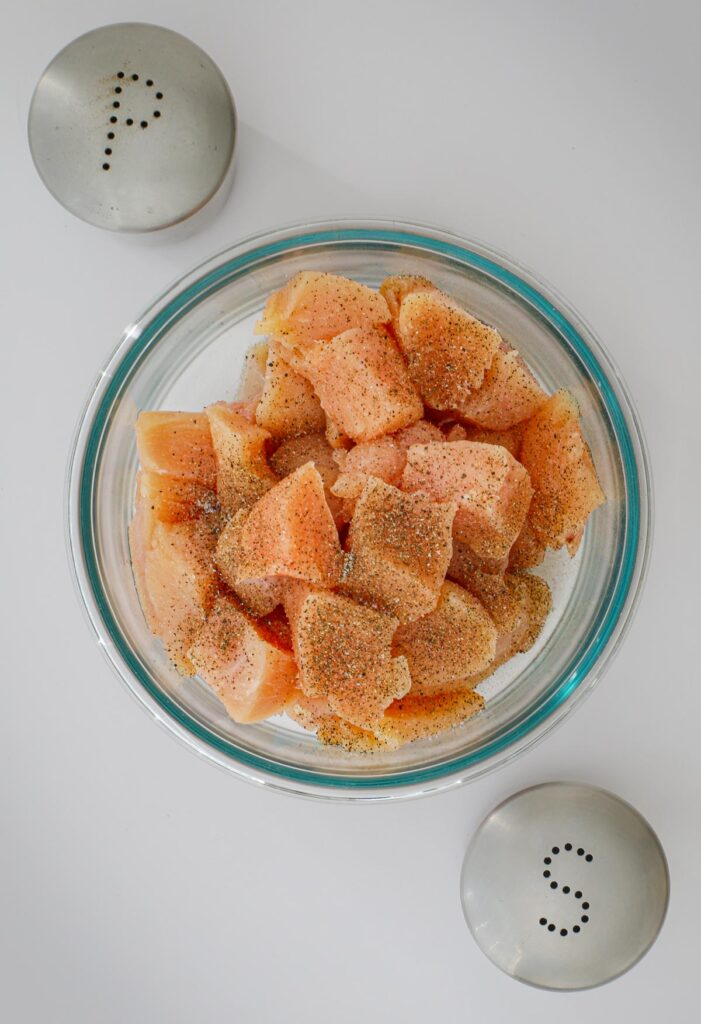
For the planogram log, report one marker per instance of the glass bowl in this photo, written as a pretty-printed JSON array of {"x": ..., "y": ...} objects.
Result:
[{"x": 187, "y": 350}]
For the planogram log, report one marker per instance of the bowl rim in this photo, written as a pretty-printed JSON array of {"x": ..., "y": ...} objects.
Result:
[{"x": 594, "y": 653}]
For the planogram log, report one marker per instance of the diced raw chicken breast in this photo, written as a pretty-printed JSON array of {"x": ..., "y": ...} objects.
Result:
[
  {"x": 400, "y": 546},
  {"x": 252, "y": 676},
  {"x": 492, "y": 491}
]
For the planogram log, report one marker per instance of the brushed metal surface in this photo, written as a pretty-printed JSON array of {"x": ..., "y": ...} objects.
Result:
[
  {"x": 564, "y": 886},
  {"x": 132, "y": 127}
]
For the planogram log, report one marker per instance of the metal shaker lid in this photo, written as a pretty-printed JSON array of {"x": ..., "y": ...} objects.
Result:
[
  {"x": 132, "y": 127},
  {"x": 564, "y": 886}
]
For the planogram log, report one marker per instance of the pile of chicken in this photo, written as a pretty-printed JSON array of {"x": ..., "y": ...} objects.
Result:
[{"x": 349, "y": 543}]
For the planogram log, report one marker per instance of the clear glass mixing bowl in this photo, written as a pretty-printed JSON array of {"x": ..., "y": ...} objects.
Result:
[{"x": 187, "y": 350}]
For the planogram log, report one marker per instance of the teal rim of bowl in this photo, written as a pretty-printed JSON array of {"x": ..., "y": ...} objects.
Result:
[{"x": 622, "y": 571}]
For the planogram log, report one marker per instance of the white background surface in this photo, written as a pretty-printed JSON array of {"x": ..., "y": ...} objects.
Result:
[{"x": 139, "y": 884}]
